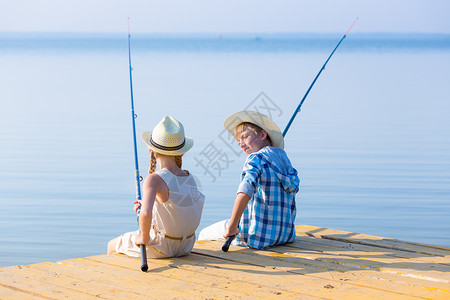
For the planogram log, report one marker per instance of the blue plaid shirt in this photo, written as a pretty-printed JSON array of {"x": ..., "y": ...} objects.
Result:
[{"x": 270, "y": 180}]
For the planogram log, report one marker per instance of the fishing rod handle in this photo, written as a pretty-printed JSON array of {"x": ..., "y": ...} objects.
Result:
[
  {"x": 144, "y": 266},
  {"x": 227, "y": 243}
]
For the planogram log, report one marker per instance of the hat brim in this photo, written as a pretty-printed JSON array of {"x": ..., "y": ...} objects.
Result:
[
  {"x": 188, "y": 143},
  {"x": 259, "y": 119}
]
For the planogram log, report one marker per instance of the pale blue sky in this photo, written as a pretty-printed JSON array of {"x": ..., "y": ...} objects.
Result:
[{"x": 222, "y": 16}]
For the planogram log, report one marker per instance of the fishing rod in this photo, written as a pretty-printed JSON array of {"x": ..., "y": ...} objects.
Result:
[
  {"x": 144, "y": 266},
  {"x": 297, "y": 110},
  {"x": 227, "y": 243}
]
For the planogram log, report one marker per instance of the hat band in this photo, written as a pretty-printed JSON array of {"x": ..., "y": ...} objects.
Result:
[{"x": 161, "y": 147}]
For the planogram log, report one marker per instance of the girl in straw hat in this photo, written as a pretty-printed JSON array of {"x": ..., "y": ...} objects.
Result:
[{"x": 171, "y": 205}]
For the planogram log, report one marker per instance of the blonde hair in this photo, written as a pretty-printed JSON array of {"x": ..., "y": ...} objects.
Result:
[
  {"x": 253, "y": 127},
  {"x": 151, "y": 170}
]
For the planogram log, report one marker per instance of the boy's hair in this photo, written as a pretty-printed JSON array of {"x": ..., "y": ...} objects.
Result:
[{"x": 247, "y": 125}]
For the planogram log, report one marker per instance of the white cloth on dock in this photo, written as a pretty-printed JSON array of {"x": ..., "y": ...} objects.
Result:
[{"x": 214, "y": 232}]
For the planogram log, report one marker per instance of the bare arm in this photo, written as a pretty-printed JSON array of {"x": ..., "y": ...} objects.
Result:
[
  {"x": 150, "y": 188},
  {"x": 238, "y": 209}
]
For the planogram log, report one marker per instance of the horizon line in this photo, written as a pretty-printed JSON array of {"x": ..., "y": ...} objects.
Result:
[{"x": 225, "y": 33}]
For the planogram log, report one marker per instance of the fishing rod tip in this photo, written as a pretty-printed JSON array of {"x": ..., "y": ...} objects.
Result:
[{"x": 357, "y": 18}]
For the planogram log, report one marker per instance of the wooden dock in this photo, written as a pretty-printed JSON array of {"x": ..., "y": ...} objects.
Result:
[{"x": 321, "y": 264}]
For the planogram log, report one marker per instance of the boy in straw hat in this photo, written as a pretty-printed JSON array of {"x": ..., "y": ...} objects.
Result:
[
  {"x": 264, "y": 209},
  {"x": 171, "y": 205}
]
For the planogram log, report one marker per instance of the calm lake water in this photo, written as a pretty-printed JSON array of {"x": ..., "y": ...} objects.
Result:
[{"x": 372, "y": 142}]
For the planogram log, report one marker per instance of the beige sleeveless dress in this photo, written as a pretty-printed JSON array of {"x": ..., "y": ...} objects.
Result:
[{"x": 174, "y": 222}]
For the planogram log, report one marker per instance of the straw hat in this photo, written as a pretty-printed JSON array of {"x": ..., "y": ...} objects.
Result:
[
  {"x": 263, "y": 121},
  {"x": 168, "y": 138}
]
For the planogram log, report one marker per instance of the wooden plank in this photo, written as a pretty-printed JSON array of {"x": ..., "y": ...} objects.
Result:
[
  {"x": 374, "y": 259},
  {"x": 313, "y": 276},
  {"x": 328, "y": 288},
  {"x": 367, "y": 263},
  {"x": 365, "y": 239},
  {"x": 18, "y": 278},
  {"x": 165, "y": 275},
  {"x": 75, "y": 286},
  {"x": 197, "y": 273},
  {"x": 231, "y": 274},
  {"x": 369, "y": 267},
  {"x": 276, "y": 278},
  {"x": 366, "y": 280},
  {"x": 304, "y": 241},
  {"x": 122, "y": 287},
  {"x": 129, "y": 283},
  {"x": 13, "y": 293}
]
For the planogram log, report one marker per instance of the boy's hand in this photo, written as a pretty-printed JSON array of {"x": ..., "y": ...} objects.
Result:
[
  {"x": 231, "y": 231},
  {"x": 137, "y": 204},
  {"x": 239, "y": 206}
]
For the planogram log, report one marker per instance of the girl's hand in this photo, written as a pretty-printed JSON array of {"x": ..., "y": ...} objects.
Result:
[
  {"x": 140, "y": 240},
  {"x": 137, "y": 204}
]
